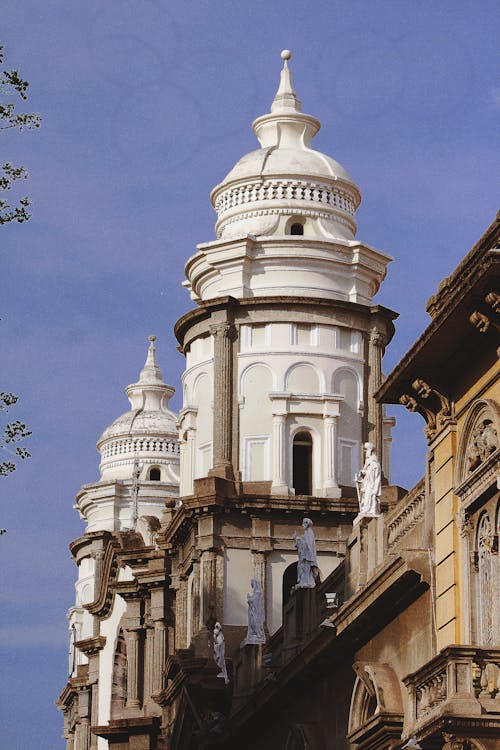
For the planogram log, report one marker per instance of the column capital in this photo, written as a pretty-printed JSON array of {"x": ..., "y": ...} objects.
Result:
[
  {"x": 378, "y": 337},
  {"x": 223, "y": 330}
]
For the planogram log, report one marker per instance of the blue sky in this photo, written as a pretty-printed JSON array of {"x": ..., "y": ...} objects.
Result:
[{"x": 146, "y": 106}]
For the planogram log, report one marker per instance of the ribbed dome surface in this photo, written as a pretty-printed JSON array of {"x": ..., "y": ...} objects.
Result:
[
  {"x": 147, "y": 422},
  {"x": 267, "y": 162}
]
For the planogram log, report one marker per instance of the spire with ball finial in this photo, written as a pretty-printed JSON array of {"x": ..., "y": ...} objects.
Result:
[{"x": 286, "y": 99}]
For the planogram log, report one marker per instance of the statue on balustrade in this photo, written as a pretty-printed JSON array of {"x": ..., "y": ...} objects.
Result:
[
  {"x": 369, "y": 483},
  {"x": 220, "y": 652},
  {"x": 307, "y": 568},
  {"x": 256, "y": 614}
]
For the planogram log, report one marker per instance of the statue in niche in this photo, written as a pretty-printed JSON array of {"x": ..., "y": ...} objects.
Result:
[
  {"x": 220, "y": 652},
  {"x": 369, "y": 483},
  {"x": 307, "y": 568},
  {"x": 256, "y": 614}
]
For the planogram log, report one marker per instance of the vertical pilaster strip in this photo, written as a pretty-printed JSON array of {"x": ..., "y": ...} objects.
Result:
[
  {"x": 330, "y": 480},
  {"x": 279, "y": 484},
  {"x": 224, "y": 334},
  {"x": 209, "y": 614},
  {"x": 133, "y": 669},
  {"x": 375, "y": 426}
]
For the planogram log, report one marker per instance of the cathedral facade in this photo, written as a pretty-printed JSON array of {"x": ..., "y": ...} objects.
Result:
[{"x": 282, "y": 388}]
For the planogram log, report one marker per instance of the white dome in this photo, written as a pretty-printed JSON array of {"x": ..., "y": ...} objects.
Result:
[
  {"x": 286, "y": 181},
  {"x": 145, "y": 435},
  {"x": 268, "y": 162}
]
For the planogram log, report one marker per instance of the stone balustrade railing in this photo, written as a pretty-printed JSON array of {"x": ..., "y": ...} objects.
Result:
[
  {"x": 134, "y": 445},
  {"x": 406, "y": 516},
  {"x": 462, "y": 680}
]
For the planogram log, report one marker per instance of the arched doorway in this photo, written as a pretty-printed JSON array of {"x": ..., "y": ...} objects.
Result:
[{"x": 302, "y": 463}]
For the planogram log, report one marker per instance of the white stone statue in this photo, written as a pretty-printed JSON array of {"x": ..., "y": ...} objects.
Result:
[
  {"x": 369, "y": 483},
  {"x": 307, "y": 568},
  {"x": 256, "y": 614},
  {"x": 220, "y": 652}
]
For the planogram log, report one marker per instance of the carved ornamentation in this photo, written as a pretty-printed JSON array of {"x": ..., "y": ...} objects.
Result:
[
  {"x": 413, "y": 405},
  {"x": 480, "y": 321},
  {"x": 442, "y": 403},
  {"x": 493, "y": 300},
  {"x": 483, "y": 442},
  {"x": 378, "y": 337},
  {"x": 464, "y": 523},
  {"x": 452, "y": 742}
]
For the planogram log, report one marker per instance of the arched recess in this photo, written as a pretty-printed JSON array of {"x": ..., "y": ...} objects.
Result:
[
  {"x": 119, "y": 680},
  {"x": 377, "y": 690},
  {"x": 308, "y": 437},
  {"x": 302, "y": 457},
  {"x": 348, "y": 383},
  {"x": 479, "y": 438},
  {"x": 289, "y": 581},
  {"x": 303, "y": 378}
]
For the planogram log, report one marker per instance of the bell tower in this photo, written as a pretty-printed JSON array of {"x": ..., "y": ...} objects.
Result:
[{"x": 283, "y": 356}]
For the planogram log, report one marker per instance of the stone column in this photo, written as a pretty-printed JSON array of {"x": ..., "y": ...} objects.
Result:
[
  {"x": 82, "y": 740},
  {"x": 224, "y": 334},
  {"x": 94, "y": 714},
  {"x": 279, "y": 485},
  {"x": 330, "y": 473},
  {"x": 209, "y": 584},
  {"x": 195, "y": 605},
  {"x": 375, "y": 426},
  {"x": 160, "y": 644},
  {"x": 260, "y": 574},
  {"x": 133, "y": 701},
  {"x": 149, "y": 659}
]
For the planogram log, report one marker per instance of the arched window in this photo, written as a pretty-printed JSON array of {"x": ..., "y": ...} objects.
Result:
[
  {"x": 154, "y": 474},
  {"x": 297, "y": 228},
  {"x": 289, "y": 581},
  {"x": 484, "y": 548},
  {"x": 302, "y": 463}
]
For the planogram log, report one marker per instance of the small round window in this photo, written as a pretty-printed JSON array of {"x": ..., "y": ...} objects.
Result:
[
  {"x": 154, "y": 474},
  {"x": 297, "y": 228}
]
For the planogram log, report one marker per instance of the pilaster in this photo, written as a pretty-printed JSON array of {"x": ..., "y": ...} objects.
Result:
[{"x": 224, "y": 334}]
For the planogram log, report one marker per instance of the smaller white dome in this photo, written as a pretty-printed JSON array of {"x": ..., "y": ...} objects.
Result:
[
  {"x": 147, "y": 434},
  {"x": 286, "y": 179}
]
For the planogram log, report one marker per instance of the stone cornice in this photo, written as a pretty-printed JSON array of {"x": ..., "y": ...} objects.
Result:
[
  {"x": 480, "y": 480},
  {"x": 90, "y": 646},
  {"x": 451, "y": 333},
  {"x": 238, "y": 310}
]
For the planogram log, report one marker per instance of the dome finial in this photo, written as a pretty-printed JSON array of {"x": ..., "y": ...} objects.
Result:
[
  {"x": 286, "y": 100},
  {"x": 151, "y": 372}
]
